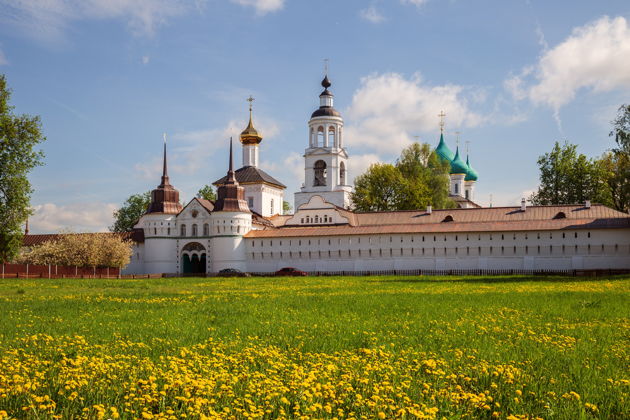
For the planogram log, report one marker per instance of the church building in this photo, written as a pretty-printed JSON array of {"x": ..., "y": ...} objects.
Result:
[{"x": 245, "y": 229}]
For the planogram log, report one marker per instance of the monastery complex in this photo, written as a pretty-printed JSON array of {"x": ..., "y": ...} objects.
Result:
[{"x": 245, "y": 229}]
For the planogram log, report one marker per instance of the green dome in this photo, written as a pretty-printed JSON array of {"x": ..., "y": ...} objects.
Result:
[
  {"x": 458, "y": 166},
  {"x": 443, "y": 151},
  {"x": 471, "y": 174}
]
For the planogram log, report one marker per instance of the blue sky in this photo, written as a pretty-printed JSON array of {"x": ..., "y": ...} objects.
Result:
[{"x": 108, "y": 77}]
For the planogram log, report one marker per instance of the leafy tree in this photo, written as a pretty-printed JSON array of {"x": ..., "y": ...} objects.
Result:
[
  {"x": 19, "y": 137},
  {"x": 567, "y": 177},
  {"x": 619, "y": 164},
  {"x": 127, "y": 216},
  {"x": 207, "y": 192},
  {"x": 286, "y": 207},
  {"x": 621, "y": 129},
  {"x": 380, "y": 188},
  {"x": 81, "y": 250},
  {"x": 616, "y": 169},
  {"x": 418, "y": 179}
]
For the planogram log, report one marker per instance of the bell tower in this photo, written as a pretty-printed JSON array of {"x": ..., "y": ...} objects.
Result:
[{"x": 325, "y": 158}]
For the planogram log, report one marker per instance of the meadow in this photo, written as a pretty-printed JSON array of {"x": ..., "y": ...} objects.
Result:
[{"x": 329, "y": 347}]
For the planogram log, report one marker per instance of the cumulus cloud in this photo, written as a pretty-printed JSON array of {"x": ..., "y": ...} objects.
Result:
[
  {"x": 371, "y": 15},
  {"x": 48, "y": 20},
  {"x": 594, "y": 57},
  {"x": 416, "y": 3},
  {"x": 388, "y": 110},
  {"x": 92, "y": 217},
  {"x": 291, "y": 167},
  {"x": 262, "y": 7},
  {"x": 190, "y": 151},
  {"x": 359, "y": 163}
]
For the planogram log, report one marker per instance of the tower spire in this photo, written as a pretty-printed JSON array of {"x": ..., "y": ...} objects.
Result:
[
  {"x": 231, "y": 178},
  {"x": 164, "y": 166}
]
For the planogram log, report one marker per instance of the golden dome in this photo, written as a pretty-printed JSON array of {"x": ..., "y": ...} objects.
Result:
[{"x": 250, "y": 134}]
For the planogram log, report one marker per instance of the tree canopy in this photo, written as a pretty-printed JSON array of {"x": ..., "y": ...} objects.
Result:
[
  {"x": 207, "y": 192},
  {"x": 417, "y": 179},
  {"x": 569, "y": 177},
  {"x": 617, "y": 163},
  {"x": 19, "y": 137},
  {"x": 128, "y": 215},
  {"x": 81, "y": 250}
]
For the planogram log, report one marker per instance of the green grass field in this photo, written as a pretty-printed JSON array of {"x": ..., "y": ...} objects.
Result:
[{"x": 364, "y": 347}]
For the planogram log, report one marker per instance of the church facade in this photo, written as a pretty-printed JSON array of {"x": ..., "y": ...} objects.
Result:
[{"x": 245, "y": 229}]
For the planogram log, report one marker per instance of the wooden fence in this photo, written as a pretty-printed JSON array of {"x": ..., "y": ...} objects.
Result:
[
  {"x": 56, "y": 271},
  {"x": 53, "y": 271}
]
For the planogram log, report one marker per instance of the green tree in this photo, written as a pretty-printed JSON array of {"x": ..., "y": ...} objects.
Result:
[
  {"x": 621, "y": 129},
  {"x": 207, "y": 192},
  {"x": 286, "y": 207},
  {"x": 567, "y": 177},
  {"x": 426, "y": 178},
  {"x": 380, "y": 188},
  {"x": 417, "y": 180},
  {"x": 127, "y": 216},
  {"x": 619, "y": 164},
  {"x": 616, "y": 169},
  {"x": 19, "y": 137}
]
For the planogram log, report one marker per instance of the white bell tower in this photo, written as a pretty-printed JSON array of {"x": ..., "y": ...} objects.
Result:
[{"x": 325, "y": 159}]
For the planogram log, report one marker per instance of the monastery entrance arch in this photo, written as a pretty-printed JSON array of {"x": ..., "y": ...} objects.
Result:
[{"x": 193, "y": 258}]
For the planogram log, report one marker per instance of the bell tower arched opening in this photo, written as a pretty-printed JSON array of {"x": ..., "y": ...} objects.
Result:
[{"x": 319, "y": 179}]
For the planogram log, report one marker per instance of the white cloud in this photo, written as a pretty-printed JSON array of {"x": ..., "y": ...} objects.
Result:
[
  {"x": 595, "y": 56},
  {"x": 48, "y": 20},
  {"x": 371, "y": 15},
  {"x": 388, "y": 110},
  {"x": 191, "y": 151},
  {"x": 291, "y": 167},
  {"x": 92, "y": 217},
  {"x": 145, "y": 59},
  {"x": 416, "y": 3},
  {"x": 358, "y": 164},
  {"x": 262, "y": 6}
]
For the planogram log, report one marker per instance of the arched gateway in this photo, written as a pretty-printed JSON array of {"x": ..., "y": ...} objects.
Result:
[{"x": 193, "y": 258}]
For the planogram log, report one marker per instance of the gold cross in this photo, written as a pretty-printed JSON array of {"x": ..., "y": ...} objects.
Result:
[
  {"x": 326, "y": 60},
  {"x": 457, "y": 133},
  {"x": 467, "y": 147},
  {"x": 250, "y": 100},
  {"x": 442, "y": 115}
]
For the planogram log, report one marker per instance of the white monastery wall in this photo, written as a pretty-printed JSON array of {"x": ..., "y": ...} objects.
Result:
[{"x": 578, "y": 249}]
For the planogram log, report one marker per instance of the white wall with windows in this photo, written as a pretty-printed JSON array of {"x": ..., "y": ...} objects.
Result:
[{"x": 552, "y": 250}]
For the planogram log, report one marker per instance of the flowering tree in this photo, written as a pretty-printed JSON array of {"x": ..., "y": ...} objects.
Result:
[{"x": 81, "y": 250}]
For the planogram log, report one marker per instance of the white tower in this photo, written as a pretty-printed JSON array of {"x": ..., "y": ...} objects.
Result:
[
  {"x": 325, "y": 159},
  {"x": 231, "y": 219}
]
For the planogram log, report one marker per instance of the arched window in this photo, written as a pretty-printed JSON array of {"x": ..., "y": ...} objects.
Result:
[
  {"x": 194, "y": 230},
  {"x": 206, "y": 229},
  {"x": 320, "y": 173},
  {"x": 182, "y": 230},
  {"x": 467, "y": 195},
  {"x": 320, "y": 137},
  {"x": 342, "y": 173},
  {"x": 272, "y": 212},
  {"x": 456, "y": 188},
  {"x": 331, "y": 136},
  {"x": 312, "y": 137}
]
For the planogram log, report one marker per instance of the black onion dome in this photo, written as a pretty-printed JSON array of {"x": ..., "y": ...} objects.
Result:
[
  {"x": 326, "y": 83},
  {"x": 326, "y": 111}
]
